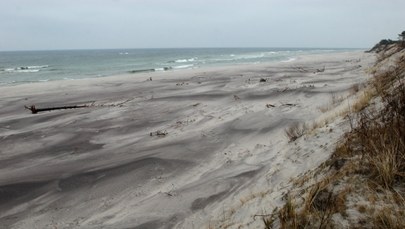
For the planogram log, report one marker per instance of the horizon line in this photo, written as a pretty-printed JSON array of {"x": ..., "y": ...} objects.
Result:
[{"x": 258, "y": 47}]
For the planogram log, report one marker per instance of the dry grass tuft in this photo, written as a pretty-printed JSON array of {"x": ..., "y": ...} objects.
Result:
[
  {"x": 295, "y": 131},
  {"x": 354, "y": 89},
  {"x": 389, "y": 219},
  {"x": 363, "y": 100},
  {"x": 380, "y": 139}
]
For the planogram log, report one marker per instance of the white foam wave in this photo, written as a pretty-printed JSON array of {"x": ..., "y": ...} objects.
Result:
[
  {"x": 36, "y": 67},
  {"x": 247, "y": 56},
  {"x": 163, "y": 69},
  {"x": 183, "y": 66},
  {"x": 29, "y": 71},
  {"x": 26, "y": 69},
  {"x": 185, "y": 60},
  {"x": 289, "y": 59}
]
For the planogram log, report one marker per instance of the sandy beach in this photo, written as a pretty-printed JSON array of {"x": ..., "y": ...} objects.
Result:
[{"x": 199, "y": 148}]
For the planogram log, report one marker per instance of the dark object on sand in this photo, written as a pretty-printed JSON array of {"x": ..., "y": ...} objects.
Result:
[
  {"x": 141, "y": 70},
  {"x": 262, "y": 80},
  {"x": 290, "y": 104},
  {"x": 319, "y": 70},
  {"x": 35, "y": 110},
  {"x": 158, "y": 133},
  {"x": 270, "y": 105}
]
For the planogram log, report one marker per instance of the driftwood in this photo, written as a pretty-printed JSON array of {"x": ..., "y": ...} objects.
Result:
[
  {"x": 289, "y": 104},
  {"x": 317, "y": 70},
  {"x": 320, "y": 70},
  {"x": 158, "y": 133},
  {"x": 35, "y": 110}
]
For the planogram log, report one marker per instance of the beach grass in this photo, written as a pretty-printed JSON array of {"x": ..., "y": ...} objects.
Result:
[{"x": 362, "y": 184}]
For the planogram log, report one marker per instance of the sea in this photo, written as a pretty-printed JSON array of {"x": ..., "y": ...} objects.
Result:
[{"x": 19, "y": 67}]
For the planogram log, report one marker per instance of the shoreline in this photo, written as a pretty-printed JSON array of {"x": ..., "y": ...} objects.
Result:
[
  {"x": 149, "y": 71},
  {"x": 224, "y": 138},
  {"x": 142, "y": 76}
]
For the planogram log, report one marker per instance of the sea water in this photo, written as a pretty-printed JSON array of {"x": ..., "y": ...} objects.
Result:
[{"x": 37, "y": 66}]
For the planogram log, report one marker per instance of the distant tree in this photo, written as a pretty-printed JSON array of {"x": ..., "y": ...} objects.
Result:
[
  {"x": 386, "y": 42},
  {"x": 402, "y": 37}
]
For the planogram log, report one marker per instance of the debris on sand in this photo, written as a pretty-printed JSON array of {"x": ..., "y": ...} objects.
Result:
[
  {"x": 159, "y": 133},
  {"x": 35, "y": 110}
]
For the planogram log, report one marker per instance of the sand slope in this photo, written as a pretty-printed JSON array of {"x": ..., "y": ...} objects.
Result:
[{"x": 99, "y": 167}]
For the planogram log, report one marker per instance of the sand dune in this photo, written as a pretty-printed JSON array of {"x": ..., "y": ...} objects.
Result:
[{"x": 104, "y": 166}]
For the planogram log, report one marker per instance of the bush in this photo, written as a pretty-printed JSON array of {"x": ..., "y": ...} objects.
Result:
[{"x": 295, "y": 131}]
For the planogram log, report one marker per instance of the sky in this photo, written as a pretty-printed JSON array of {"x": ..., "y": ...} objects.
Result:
[{"x": 105, "y": 24}]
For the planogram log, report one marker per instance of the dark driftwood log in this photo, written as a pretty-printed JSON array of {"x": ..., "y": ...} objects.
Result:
[
  {"x": 290, "y": 104},
  {"x": 158, "y": 133},
  {"x": 35, "y": 110}
]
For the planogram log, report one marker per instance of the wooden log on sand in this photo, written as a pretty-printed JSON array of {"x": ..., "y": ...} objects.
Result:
[{"x": 35, "y": 110}]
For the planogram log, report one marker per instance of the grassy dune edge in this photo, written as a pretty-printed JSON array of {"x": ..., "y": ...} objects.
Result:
[{"x": 362, "y": 184}]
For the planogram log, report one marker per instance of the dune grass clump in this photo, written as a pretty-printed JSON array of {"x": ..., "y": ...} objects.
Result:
[
  {"x": 295, "y": 131},
  {"x": 379, "y": 138}
]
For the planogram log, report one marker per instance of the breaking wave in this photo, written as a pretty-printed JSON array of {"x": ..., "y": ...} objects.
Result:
[
  {"x": 146, "y": 70},
  {"x": 290, "y": 59},
  {"x": 183, "y": 66},
  {"x": 183, "y": 60},
  {"x": 26, "y": 69}
]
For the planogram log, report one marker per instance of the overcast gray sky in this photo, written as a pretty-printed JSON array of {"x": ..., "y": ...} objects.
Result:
[{"x": 89, "y": 24}]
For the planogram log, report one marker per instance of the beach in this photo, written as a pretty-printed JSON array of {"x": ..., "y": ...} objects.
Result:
[{"x": 196, "y": 148}]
